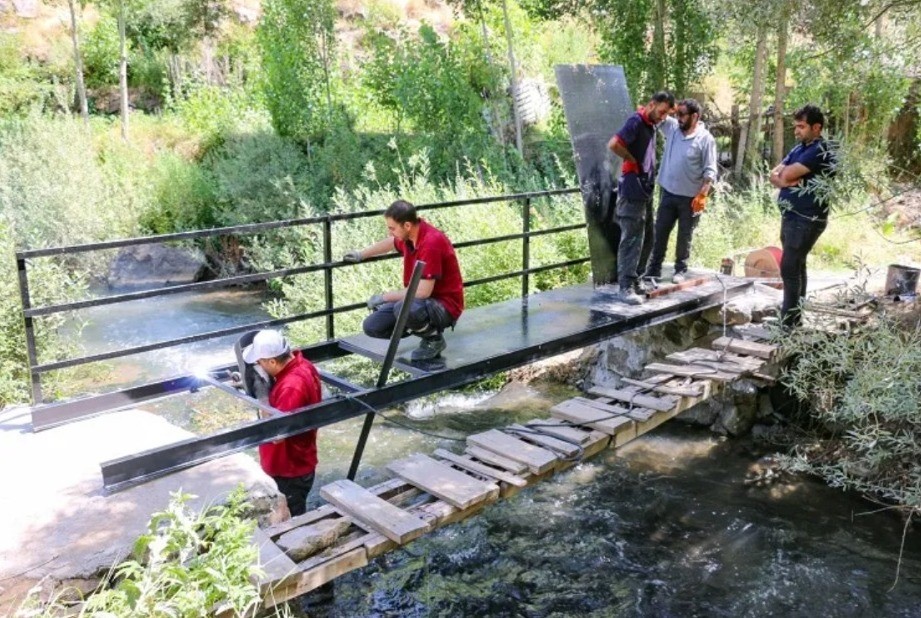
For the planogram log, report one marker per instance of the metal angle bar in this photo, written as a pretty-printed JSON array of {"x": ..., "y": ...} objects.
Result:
[
  {"x": 209, "y": 380},
  {"x": 339, "y": 382},
  {"x": 395, "y": 337},
  {"x": 52, "y": 415},
  {"x": 135, "y": 469}
]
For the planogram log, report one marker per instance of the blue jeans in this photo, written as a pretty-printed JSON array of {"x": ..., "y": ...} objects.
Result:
[
  {"x": 636, "y": 234},
  {"x": 673, "y": 209},
  {"x": 797, "y": 237}
]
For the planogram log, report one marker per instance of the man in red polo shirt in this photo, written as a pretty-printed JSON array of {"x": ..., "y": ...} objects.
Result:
[
  {"x": 291, "y": 462},
  {"x": 439, "y": 299}
]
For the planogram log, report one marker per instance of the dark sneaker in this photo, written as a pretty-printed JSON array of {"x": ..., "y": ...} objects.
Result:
[
  {"x": 431, "y": 347},
  {"x": 652, "y": 274},
  {"x": 629, "y": 297}
]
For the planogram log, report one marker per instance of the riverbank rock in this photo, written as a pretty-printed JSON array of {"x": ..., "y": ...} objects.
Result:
[
  {"x": 155, "y": 265},
  {"x": 305, "y": 541}
]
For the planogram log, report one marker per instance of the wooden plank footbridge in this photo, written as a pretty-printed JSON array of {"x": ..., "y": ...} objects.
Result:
[{"x": 429, "y": 491}]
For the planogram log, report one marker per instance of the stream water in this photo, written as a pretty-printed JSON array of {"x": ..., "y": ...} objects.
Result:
[{"x": 665, "y": 526}]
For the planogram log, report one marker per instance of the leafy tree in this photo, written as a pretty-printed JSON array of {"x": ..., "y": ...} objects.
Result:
[
  {"x": 297, "y": 45},
  {"x": 660, "y": 43}
]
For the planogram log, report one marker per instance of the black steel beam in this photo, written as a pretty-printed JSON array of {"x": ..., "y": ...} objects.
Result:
[
  {"x": 52, "y": 415},
  {"x": 127, "y": 471}
]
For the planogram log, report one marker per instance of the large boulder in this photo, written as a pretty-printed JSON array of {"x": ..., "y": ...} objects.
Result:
[{"x": 155, "y": 265}]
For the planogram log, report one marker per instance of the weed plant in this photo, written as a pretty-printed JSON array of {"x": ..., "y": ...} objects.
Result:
[{"x": 188, "y": 564}]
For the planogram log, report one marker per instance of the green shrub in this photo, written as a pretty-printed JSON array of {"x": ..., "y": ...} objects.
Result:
[
  {"x": 101, "y": 53},
  {"x": 21, "y": 87},
  {"x": 257, "y": 177},
  {"x": 863, "y": 388},
  {"x": 183, "y": 197},
  {"x": 189, "y": 564}
]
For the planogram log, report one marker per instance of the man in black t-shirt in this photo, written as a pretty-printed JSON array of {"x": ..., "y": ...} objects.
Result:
[{"x": 803, "y": 205}]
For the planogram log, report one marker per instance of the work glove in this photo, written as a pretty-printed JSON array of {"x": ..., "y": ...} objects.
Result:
[
  {"x": 699, "y": 203},
  {"x": 352, "y": 257},
  {"x": 376, "y": 301}
]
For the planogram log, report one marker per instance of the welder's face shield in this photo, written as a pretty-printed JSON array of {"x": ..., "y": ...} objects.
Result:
[{"x": 256, "y": 381}]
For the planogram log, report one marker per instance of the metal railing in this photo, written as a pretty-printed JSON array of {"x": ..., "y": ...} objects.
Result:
[{"x": 328, "y": 265}]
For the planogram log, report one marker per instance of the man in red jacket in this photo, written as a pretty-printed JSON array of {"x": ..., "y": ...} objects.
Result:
[{"x": 291, "y": 462}]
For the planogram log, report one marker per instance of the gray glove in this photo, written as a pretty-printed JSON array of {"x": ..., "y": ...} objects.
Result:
[
  {"x": 376, "y": 301},
  {"x": 352, "y": 257}
]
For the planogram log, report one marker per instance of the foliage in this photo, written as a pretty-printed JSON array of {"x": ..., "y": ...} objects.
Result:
[
  {"x": 188, "y": 564},
  {"x": 101, "y": 53},
  {"x": 864, "y": 388},
  {"x": 297, "y": 44},
  {"x": 173, "y": 25},
  {"x": 21, "y": 89},
  {"x": 183, "y": 197},
  {"x": 626, "y": 28}
]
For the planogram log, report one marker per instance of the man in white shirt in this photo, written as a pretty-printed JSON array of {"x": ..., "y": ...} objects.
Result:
[{"x": 686, "y": 174}]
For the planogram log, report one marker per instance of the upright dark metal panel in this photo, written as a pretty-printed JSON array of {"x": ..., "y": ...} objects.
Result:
[
  {"x": 328, "y": 277},
  {"x": 596, "y": 103},
  {"x": 525, "y": 247}
]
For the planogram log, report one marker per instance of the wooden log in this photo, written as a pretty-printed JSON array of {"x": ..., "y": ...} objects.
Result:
[
  {"x": 537, "y": 459},
  {"x": 661, "y": 404},
  {"x": 374, "y": 513},
  {"x": 585, "y": 415},
  {"x": 751, "y": 348},
  {"x": 479, "y": 468},
  {"x": 674, "y": 287},
  {"x": 452, "y": 486}
]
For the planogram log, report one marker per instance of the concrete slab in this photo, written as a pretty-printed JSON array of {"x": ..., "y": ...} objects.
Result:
[{"x": 57, "y": 522}]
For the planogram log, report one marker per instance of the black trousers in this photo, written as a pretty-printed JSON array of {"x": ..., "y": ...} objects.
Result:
[
  {"x": 673, "y": 209},
  {"x": 798, "y": 236},
  {"x": 636, "y": 236},
  {"x": 295, "y": 490},
  {"x": 425, "y": 315}
]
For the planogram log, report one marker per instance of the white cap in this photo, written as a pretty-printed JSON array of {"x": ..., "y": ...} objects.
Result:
[{"x": 266, "y": 344}]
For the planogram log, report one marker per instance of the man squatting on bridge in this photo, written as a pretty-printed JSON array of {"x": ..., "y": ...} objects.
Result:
[
  {"x": 439, "y": 299},
  {"x": 291, "y": 462},
  {"x": 687, "y": 171},
  {"x": 635, "y": 143},
  {"x": 803, "y": 205}
]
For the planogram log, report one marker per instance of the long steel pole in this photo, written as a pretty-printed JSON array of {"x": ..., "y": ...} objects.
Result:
[{"x": 395, "y": 338}]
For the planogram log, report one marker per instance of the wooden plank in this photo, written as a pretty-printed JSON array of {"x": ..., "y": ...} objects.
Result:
[
  {"x": 679, "y": 391},
  {"x": 588, "y": 416},
  {"x": 450, "y": 485},
  {"x": 724, "y": 361},
  {"x": 307, "y": 580},
  {"x": 274, "y": 562},
  {"x": 479, "y": 468},
  {"x": 537, "y": 459},
  {"x": 606, "y": 405},
  {"x": 740, "y": 346},
  {"x": 554, "y": 427},
  {"x": 662, "y": 404},
  {"x": 693, "y": 371},
  {"x": 376, "y": 514},
  {"x": 567, "y": 449},
  {"x": 494, "y": 459}
]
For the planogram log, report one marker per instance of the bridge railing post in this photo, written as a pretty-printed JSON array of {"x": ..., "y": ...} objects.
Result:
[
  {"x": 31, "y": 350},
  {"x": 328, "y": 277},
  {"x": 525, "y": 247}
]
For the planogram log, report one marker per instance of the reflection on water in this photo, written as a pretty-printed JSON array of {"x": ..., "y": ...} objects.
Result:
[{"x": 663, "y": 527}]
